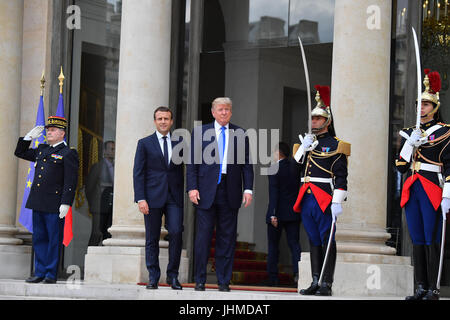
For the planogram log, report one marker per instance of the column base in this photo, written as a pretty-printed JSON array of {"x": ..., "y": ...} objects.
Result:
[
  {"x": 359, "y": 274},
  {"x": 15, "y": 261},
  {"x": 114, "y": 264}
]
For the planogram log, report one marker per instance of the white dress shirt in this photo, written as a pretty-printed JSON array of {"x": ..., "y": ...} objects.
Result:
[
  {"x": 218, "y": 129},
  {"x": 161, "y": 144}
]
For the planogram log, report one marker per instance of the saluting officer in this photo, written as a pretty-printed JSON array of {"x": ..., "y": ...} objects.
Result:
[
  {"x": 51, "y": 195},
  {"x": 323, "y": 189},
  {"x": 424, "y": 189}
]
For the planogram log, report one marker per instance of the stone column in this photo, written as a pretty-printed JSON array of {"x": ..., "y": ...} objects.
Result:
[
  {"x": 143, "y": 86},
  {"x": 360, "y": 105},
  {"x": 13, "y": 259}
]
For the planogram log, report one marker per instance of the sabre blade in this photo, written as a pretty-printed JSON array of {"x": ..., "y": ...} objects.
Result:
[
  {"x": 308, "y": 89},
  {"x": 419, "y": 78}
]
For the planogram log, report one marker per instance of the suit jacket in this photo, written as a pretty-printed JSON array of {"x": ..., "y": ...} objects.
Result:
[
  {"x": 283, "y": 191},
  {"x": 98, "y": 179},
  {"x": 203, "y": 176},
  {"x": 55, "y": 175},
  {"x": 153, "y": 179}
]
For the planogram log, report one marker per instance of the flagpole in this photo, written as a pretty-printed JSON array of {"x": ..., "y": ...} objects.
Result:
[
  {"x": 61, "y": 81},
  {"x": 42, "y": 84}
]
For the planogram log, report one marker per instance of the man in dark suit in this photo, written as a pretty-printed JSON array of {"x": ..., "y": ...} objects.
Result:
[
  {"x": 99, "y": 194},
  {"x": 284, "y": 183},
  {"x": 158, "y": 190},
  {"x": 219, "y": 180},
  {"x": 51, "y": 194}
]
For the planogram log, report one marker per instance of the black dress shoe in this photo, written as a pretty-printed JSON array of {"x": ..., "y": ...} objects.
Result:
[
  {"x": 224, "y": 288},
  {"x": 174, "y": 283},
  {"x": 324, "y": 290},
  {"x": 199, "y": 287},
  {"x": 49, "y": 281},
  {"x": 34, "y": 279},
  {"x": 152, "y": 285}
]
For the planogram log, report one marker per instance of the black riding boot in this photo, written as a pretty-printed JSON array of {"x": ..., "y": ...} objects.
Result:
[
  {"x": 432, "y": 253},
  {"x": 316, "y": 266},
  {"x": 328, "y": 272},
  {"x": 420, "y": 273}
]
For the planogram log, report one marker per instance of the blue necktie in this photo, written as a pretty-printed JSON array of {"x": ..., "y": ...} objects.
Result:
[
  {"x": 221, "y": 150},
  {"x": 166, "y": 151}
]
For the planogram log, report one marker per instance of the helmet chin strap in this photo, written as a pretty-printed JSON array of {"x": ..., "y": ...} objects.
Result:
[
  {"x": 317, "y": 130},
  {"x": 432, "y": 112}
]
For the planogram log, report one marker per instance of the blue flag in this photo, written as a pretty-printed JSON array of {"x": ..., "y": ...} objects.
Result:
[
  {"x": 26, "y": 215},
  {"x": 60, "y": 108}
]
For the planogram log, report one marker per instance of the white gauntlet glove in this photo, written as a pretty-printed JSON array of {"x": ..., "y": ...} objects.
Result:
[
  {"x": 307, "y": 144},
  {"x": 445, "y": 206},
  {"x": 63, "y": 209},
  {"x": 34, "y": 133},
  {"x": 336, "y": 210},
  {"x": 416, "y": 139}
]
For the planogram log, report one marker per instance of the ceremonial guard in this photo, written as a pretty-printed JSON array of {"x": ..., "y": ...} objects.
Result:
[
  {"x": 425, "y": 157},
  {"x": 323, "y": 189},
  {"x": 51, "y": 195}
]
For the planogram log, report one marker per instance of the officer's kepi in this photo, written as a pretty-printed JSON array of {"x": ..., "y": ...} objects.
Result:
[{"x": 58, "y": 122}]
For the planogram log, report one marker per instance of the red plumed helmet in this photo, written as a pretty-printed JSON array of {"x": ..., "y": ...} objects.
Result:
[
  {"x": 324, "y": 92},
  {"x": 432, "y": 83},
  {"x": 435, "y": 82}
]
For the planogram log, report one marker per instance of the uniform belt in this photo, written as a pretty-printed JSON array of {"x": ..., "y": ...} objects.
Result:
[
  {"x": 416, "y": 166},
  {"x": 320, "y": 180}
]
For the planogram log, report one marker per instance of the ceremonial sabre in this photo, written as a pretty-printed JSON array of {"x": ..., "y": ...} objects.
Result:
[
  {"x": 328, "y": 250},
  {"x": 419, "y": 79},
  {"x": 308, "y": 90},
  {"x": 407, "y": 149},
  {"x": 441, "y": 258}
]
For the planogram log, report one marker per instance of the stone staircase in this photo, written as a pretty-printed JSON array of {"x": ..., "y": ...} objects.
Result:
[{"x": 249, "y": 268}]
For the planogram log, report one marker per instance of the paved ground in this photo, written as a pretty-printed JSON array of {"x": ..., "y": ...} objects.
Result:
[{"x": 19, "y": 290}]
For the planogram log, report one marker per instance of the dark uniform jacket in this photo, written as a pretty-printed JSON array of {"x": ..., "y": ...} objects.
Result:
[
  {"x": 435, "y": 152},
  {"x": 55, "y": 176},
  {"x": 327, "y": 160}
]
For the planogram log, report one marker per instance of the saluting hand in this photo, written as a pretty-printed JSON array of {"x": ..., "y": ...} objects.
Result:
[{"x": 34, "y": 133}]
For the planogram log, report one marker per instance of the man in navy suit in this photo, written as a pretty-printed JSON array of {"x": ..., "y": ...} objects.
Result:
[
  {"x": 284, "y": 183},
  {"x": 219, "y": 180},
  {"x": 158, "y": 190}
]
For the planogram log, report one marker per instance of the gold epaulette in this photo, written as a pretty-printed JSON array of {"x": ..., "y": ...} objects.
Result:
[
  {"x": 400, "y": 163},
  {"x": 295, "y": 148},
  {"x": 343, "y": 147},
  {"x": 408, "y": 128},
  {"x": 444, "y": 124}
]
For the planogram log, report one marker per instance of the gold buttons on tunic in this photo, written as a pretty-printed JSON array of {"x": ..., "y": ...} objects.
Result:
[{"x": 309, "y": 190}]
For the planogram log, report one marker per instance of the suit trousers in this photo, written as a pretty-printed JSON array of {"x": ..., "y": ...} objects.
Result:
[
  {"x": 224, "y": 219},
  {"x": 292, "y": 229},
  {"x": 48, "y": 231},
  {"x": 174, "y": 223}
]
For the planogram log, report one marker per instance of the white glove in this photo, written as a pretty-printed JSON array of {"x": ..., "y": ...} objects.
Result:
[
  {"x": 63, "y": 209},
  {"x": 415, "y": 139},
  {"x": 34, "y": 133},
  {"x": 308, "y": 140},
  {"x": 445, "y": 206},
  {"x": 336, "y": 210}
]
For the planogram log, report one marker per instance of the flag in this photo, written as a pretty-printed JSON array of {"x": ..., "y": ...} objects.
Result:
[
  {"x": 26, "y": 215},
  {"x": 68, "y": 234}
]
